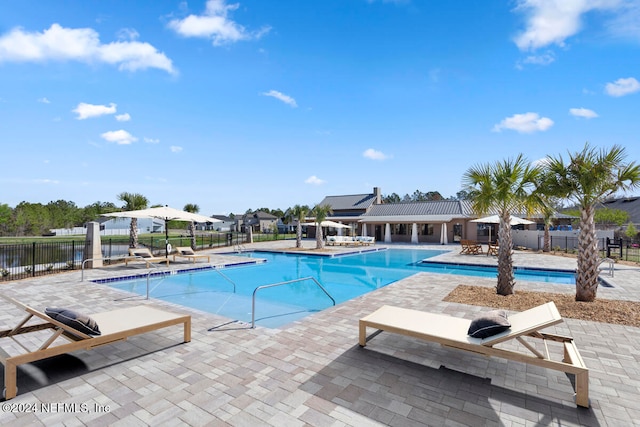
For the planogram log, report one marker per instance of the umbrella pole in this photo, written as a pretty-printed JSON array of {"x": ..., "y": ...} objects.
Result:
[{"x": 166, "y": 239}]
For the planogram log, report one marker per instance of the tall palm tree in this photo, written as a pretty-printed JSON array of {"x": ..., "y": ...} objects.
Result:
[
  {"x": 505, "y": 187},
  {"x": 588, "y": 178},
  {"x": 299, "y": 213},
  {"x": 193, "y": 208},
  {"x": 320, "y": 212},
  {"x": 133, "y": 202}
]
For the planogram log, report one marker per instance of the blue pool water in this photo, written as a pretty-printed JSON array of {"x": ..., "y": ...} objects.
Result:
[{"x": 229, "y": 291}]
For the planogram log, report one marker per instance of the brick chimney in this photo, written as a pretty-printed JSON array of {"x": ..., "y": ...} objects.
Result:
[{"x": 378, "y": 195}]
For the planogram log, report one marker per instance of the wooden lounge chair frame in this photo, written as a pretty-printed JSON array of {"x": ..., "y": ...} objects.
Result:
[
  {"x": 145, "y": 255},
  {"x": 469, "y": 247},
  {"x": 493, "y": 249},
  {"x": 116, "y": 325},
  {"x": 187, "y": 252},
  {"x": 450, "y": 331}
]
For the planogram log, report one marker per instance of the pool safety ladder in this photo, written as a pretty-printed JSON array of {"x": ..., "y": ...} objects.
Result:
[
  {"x": 239, "y": 248},
  {"x": 610, "y": 263},
  {"x": 253, "y": 299}
]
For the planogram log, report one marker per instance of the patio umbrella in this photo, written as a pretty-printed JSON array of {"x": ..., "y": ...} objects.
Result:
[
  {"x": 387, "y": 233},
  {"x": 327, "y": 223},
  {"x": 165, "y": 213},
  {"x": 414, "y": 233},
  {"x": 495, "y": 219}
]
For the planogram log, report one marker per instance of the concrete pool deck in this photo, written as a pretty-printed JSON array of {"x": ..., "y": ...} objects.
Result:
[{"x": 313, "y": 372}]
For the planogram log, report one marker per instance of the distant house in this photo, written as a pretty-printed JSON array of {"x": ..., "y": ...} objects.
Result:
[
  {"x": 260, "y": 222},
  {"x": 223, "y": 223}
]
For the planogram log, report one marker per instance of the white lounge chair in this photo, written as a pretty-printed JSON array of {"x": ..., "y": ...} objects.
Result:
[
  {"x": 453, "y": 332},
  {"x": 116, "y": 325},
  {"x": 144, "y": 255},
  {"x": 187, "y": 252}
]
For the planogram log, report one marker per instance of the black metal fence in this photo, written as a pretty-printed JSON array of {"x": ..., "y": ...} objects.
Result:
[
  {"x": 622, "y": 249},
  {"x": 23, "y": 260}
]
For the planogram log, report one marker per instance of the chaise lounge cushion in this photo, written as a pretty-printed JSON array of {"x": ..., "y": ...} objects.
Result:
[
  {"x": 142, "y": 253},
  {"x": 77, "y": 321},
  {"x": 489, "y": 323}
]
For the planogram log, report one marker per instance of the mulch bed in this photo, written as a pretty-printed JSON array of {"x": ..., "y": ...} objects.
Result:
[{"x": 600, "y": 310}]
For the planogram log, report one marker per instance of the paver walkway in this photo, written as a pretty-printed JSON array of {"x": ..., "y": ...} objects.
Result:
[{"x": 313, "y": 373}]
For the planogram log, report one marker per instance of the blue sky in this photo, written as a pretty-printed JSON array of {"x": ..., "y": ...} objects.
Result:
[{"x": 240, "y": 105}]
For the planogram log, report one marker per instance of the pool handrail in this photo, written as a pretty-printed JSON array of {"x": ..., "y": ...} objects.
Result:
[
  {"x": 253, "y": 298},
  {"x": 227, "y": 279}
]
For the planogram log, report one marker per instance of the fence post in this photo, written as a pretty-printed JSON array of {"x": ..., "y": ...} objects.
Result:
[{"x": 33, "y": 260}]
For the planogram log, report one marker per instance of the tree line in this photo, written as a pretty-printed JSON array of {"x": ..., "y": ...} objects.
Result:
[{"x": 35, "y": 219}]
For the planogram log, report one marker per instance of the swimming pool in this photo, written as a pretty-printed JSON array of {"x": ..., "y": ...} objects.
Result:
[{"x": 229, "y": 291}]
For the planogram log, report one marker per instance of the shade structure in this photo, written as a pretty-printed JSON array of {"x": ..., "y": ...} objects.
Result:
[
  {"x": 165, "y": 213},
  {"x": 444, "y": 240},
  {"x": 414, "y": 233},
  {"x": 495, "y": 219},
  {"x": 327, "y": 223}
]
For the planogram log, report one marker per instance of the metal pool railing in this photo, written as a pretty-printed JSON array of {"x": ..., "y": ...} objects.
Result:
[{"x": 253, "y": 298}]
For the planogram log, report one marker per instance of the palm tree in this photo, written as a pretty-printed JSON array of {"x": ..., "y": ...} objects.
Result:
[
  {"x": 588, "y": 178},
  {"x": 193, "y": 208},
  {"x": 299, "y": 213},
  {"x": 133, "y": 202},
  {"x": 505, "y": 187},
  {"x": 320, "y": 212}
]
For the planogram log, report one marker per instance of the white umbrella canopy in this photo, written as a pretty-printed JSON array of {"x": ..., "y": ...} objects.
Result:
[
  {"x": 163, "y": 212},
  {"x": 327, "y": 223},
  {"x": 495, "y": 219},
  {"x": 167, "y": 214}
]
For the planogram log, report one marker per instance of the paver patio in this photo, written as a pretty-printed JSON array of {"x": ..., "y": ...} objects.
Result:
[{"x": 313, "y": 372}]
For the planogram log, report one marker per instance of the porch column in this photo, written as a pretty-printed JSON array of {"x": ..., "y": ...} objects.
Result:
[
  {"x": 414, "y": 233},
  {"x": 387, "y": 233}
]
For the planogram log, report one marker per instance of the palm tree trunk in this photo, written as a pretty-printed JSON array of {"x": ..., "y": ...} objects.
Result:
[
  {"x": 192, "y": 234},
  {"x": 319, "y": 239},
  {"x": 506, "y": 280},
  {"x": 133, "y": 233},
  {"x": 546, "y": 246},
  {"x": 588, "y": 257},
  {"x": 298, "y": 235}
]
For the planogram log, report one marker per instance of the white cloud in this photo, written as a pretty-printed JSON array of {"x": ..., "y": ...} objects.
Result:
[
  {"x": 123, "y": 117},
  {"x": 524, "y": 123},
  {"x": 583, "y": 112},
  {"x": 553, "y": 21},
  {"x": 79, "y": 44},
  {"x": 314, "y": 180},
  {"x": 372, "y": 154},
  {"x": 175, "y": 149},
  {"x": 282, "y": 97},
  {"x": 44, "y": 101},
  {"x": 151, "y": 140},
  {"x": 46, "y": 181},
  {"x": 215, "y": 24},
  {"x": 544, "y": 59},
  {"x": 120, "y": 137},
  {"x": 85, "y": 111},
  {"x": 622, "y": 87}
]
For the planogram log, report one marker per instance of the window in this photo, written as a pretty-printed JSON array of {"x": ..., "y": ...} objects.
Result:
[{"x": 427, "y": 230}]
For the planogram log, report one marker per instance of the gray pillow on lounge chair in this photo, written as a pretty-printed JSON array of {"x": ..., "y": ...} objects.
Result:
[
  {"x": 143, "y": 254},
  {"x": 489, "y": 323},
  {"x": 80, "y": 322}
]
